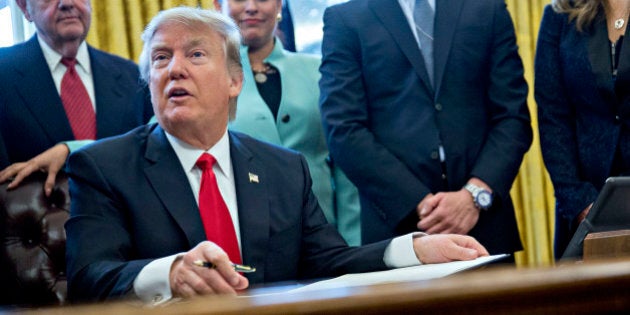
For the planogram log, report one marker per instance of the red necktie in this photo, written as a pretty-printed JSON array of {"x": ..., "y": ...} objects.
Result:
[
  {"x": 77, "y": 104},
  {"x": 215, "y": 215}
]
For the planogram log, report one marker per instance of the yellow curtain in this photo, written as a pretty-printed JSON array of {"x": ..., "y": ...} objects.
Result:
[
  {"x": 117, "y": 25},
  {"x": 532, "y": 191}
]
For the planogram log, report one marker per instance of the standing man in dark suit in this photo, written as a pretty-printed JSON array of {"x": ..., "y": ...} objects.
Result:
[
  {"x": 33, "y": 118},
  {"x": 147, "y": 190},
  {"x": 424, "y": 105}
]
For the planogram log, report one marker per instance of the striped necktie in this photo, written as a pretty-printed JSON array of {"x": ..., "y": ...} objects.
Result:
[
  {"x": 77, "y": 103},
  {"x": 424, "y": 17}
]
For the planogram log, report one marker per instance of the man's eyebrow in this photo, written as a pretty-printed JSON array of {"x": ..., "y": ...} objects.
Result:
[
  {"x": 195, "y": 42},
  {"x": 162, "y": 46},
  {"x": 158, "y": 47}
]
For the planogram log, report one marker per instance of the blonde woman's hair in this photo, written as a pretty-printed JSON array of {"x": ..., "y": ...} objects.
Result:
[{"x": 583, "y": 12}]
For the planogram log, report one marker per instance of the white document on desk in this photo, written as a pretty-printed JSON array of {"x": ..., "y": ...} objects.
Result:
[{"x": 414, "y": 273}]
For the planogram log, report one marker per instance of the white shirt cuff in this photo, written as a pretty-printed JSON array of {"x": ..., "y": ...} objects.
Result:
[
  {"x": 400, "y": 253},
  {"x": 152, "y": 285}
]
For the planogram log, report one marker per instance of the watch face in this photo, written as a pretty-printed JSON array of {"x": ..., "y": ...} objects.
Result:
[{"x": 484, "y": 199}]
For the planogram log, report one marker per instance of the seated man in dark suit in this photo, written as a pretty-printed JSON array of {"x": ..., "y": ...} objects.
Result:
[
  {"x": 40, "y": 112},
  {"x": 146, "y": 206}
]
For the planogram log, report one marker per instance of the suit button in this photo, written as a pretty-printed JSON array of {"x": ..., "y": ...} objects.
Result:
[
  {"x": 435, "y": 155},
  {"x": 286, "y": 118},
  {"x": 438, "y": 107},
  {"x": 617, "y": 119}
]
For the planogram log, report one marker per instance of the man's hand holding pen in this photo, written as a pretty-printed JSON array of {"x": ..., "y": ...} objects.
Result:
[
  {"x": 188, "y": 279},
  {"x": 237, "y": 267}
]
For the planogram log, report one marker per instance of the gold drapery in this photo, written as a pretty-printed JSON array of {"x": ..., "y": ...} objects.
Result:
[
  {"x": 117, "y": 25},
  {"x": 532, "y": 191}
]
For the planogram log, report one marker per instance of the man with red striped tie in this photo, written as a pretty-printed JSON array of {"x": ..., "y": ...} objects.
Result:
[{"x": 57, "y": 92}]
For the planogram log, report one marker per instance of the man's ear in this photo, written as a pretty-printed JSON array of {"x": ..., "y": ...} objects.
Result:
[
  {"x": 22, "y": 4},
  {"x": 236, "y": 84}
]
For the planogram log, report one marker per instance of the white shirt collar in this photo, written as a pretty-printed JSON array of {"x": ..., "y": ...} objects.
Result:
[
  {"x": 411, "y": 4},
  {"x": 53, "y": 58},
  {"x": 188, "y": 154}
]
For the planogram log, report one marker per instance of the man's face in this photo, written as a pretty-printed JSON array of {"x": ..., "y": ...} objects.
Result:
[
  {"x": 189, "y": 79},
  {"x": 59, "y": 21}
]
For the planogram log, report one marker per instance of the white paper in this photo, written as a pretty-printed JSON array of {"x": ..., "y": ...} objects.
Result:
[{"x": 415, "y": 273}]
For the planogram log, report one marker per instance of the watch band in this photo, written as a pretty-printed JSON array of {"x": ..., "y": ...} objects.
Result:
[{"x": 475, "y": 191}]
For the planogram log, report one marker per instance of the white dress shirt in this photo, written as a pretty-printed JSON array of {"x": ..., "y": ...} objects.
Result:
[
  {"x": 152, "y": 285},
  {"x": 57, "y": 69}
]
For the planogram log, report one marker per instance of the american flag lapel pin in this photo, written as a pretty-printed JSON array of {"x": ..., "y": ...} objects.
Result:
[{"x": 253, "y": 178}]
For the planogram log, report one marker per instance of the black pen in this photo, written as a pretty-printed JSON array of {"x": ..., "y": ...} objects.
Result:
[{"x": 237, "y": 267}]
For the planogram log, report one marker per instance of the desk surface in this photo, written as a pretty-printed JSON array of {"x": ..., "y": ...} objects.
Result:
[{"x": 601, "y": 287}]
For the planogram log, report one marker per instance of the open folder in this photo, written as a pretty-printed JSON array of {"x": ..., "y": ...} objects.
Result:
[{"x": 415, "y": 273}]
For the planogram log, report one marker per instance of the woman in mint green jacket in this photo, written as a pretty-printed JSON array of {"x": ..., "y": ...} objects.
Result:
[{"x": 279, "y": 104}]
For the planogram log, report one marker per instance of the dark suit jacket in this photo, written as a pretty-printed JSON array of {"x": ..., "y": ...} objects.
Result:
[
  {"x": 32, "y": 117},
  {"x": 584, "y": 117},
  {"x": 132, "y": 203},
  {"x": 384, "y": 123}
]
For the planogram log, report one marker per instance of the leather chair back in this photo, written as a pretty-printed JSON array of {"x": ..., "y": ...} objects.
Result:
[{"x": 32, "y": 257}]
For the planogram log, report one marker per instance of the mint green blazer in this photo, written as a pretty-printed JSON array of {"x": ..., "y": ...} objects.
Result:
[{"x": 299, "y": 127}]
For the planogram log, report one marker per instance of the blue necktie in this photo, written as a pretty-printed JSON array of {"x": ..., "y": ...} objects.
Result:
[{"x": 424, "y": 16}]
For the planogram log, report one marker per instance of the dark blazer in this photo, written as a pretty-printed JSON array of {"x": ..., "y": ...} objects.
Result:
[
  {"x": 32, "y": 117},
  {"x": 384, "y": 122},
  {"x": 583, "y": 116},
  {"x": 132, "y": 203}
]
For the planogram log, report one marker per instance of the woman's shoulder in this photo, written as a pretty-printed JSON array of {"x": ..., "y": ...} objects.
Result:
[
  {"x": 300, "y": 65},
  {"x": 302, "y": 59},
  {"x": 554, "y": 22},
  {"x": 552, "y": 14}
]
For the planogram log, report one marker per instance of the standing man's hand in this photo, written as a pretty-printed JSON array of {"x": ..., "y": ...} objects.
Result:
[
  {"x": 189, "y": 280},
  {"x": 448, "y": 212},
  {"x": 50, "y": 161},
  {"x": 442, "y": 248},
  {"x": 425, "y": 206}
]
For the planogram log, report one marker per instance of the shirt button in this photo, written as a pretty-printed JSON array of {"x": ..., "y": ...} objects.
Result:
[
  {"x": 434, "y": 155},
  {"x": 286, "y": 118},
  {"x": 438, "y": 107}
]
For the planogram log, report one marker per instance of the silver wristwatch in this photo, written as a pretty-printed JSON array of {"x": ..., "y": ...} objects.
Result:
[{"x": 482, "y": 198}]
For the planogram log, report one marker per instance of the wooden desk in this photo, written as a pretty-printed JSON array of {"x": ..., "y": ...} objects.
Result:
[
  {"x": 607, "y": 245},
  {"x": 578, "y": 288}
]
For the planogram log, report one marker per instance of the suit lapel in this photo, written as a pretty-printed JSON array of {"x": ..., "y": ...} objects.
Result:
[
  {"x": 109, "y": 100},
  {"x": 446, "y": 16},
  {"x": 394, "y": 20},
  {"x": 253, "y": 200},
  {"x": 38, "y": 90},
  {"x": 599, "y": 57},
  {"x": 166, "y": 176},
  {"x": 623, "y": 75}
]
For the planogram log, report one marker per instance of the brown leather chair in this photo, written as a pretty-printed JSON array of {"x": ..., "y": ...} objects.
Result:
[{"x": 32, "y": 258}]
